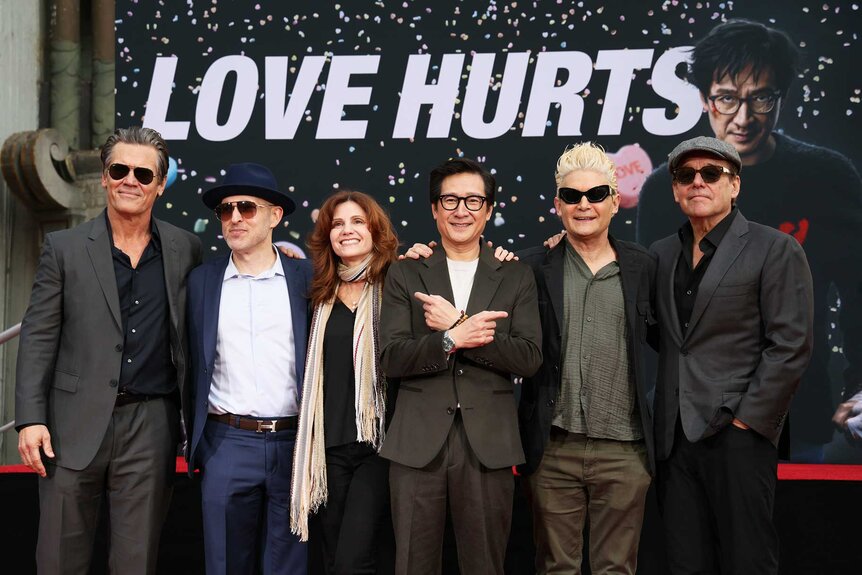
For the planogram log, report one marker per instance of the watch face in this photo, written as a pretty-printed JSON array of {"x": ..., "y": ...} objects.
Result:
[{"x": 448, "y": 343}]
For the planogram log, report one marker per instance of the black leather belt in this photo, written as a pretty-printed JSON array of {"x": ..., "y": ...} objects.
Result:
[
  {"x": 126, "y": 398},
  {"x": 254, "y": 424}
]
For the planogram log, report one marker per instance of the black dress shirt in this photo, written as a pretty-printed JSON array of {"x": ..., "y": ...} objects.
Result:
[
  {"x": 687, "y": 278},
  {"x": 147, "y": 367}
]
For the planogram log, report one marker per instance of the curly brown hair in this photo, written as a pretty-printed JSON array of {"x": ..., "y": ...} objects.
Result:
[{"x": 323, "y": 258}]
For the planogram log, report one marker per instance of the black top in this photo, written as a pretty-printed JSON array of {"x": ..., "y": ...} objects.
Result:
[
  {"x": 339, "y": 387},
  {"x": 147, "y": 367},
  {"x": 686, "y": 280}
]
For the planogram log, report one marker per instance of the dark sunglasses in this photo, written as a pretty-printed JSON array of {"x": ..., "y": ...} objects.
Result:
[
  {"x": 709, "y": 173},
  {"x": 247, "y": 209},
  {"x": 594, "y": 195},
  {"x": 120, "y": 171}
]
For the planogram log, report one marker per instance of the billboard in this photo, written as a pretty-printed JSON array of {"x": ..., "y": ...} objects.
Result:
[{"x": 371, "y": 95}]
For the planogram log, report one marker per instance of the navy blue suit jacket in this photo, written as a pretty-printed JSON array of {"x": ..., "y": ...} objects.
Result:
[{"x": 204, "y": 298}]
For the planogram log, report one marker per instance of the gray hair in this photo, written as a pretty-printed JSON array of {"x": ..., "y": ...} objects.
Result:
[{"x": 138, "y": 136}]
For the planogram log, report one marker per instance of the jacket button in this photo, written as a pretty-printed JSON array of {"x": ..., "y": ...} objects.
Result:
[
  {"x": 676, "y": 391},
  {"x": 459, "y": 372},
  {"x": 113, "y": 383},
  {"x": 450, "y": 411},
  {"x": 684, "y": 352},
  {"x": 551, "y": 402},
  {"x": 118, "y": 347}
]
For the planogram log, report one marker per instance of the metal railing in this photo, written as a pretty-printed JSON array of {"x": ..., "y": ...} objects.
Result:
[{"x": 5, "y": 336}]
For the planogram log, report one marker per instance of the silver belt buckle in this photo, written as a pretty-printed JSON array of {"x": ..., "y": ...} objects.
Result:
[{"x": 264, "y": 426}]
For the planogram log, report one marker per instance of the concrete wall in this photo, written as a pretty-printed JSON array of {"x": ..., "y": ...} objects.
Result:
[{"x": 21, "y": 58}]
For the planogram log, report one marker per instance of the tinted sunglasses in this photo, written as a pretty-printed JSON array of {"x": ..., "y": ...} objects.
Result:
[
  {"x": 709, "y": 173},
  {"x": 120, "y": 171},
  {"x": 247, "y": 209},
  {"x": 594, "y": 195}
]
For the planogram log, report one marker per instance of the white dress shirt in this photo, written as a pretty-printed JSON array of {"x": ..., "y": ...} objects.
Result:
[{"x": 255, "y": 363}]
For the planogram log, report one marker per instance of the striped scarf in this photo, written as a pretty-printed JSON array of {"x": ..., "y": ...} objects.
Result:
[{"x": 308, "y": 489}]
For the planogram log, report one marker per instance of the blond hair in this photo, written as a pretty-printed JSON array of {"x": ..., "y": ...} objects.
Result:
[{"x": 586, "y": 156}]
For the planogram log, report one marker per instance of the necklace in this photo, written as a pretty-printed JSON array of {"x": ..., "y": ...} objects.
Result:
[{"x": 349, "y": 295}]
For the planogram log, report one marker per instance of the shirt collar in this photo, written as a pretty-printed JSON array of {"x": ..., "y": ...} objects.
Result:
[
  {"x": 154, "y": 231},
  {"x": 276, "y": 270},
  {"x": 710, "y": 241}
]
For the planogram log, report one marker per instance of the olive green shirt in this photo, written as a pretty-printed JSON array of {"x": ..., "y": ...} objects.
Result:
[{"x": 597, "y": 393}]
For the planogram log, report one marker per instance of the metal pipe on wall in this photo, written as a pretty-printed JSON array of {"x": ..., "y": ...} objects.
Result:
[
  {"x": 65, "y": 68},
  {"x": 102, "y": 123}
]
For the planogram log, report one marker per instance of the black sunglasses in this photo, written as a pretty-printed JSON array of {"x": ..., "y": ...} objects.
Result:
[
  {"x": 594, "y": 195},
  {"x": 120, "y": 171},
  {"x": 247, "y": 209},
  {"x": 710, "y": 174}
]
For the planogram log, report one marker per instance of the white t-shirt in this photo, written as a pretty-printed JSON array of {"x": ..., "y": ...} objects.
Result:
[{"x": 461, "y": 276}]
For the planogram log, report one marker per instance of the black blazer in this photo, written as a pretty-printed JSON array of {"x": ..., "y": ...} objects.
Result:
[
  {"x": 540, "y": 392},
  {"x": 748, "y": 341}
]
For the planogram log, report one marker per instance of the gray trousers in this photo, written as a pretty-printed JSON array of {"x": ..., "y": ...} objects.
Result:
[{"x": 133, "y": 473}]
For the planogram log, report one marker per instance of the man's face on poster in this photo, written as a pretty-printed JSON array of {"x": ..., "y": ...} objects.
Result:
[{"x": 746, "y": 129}]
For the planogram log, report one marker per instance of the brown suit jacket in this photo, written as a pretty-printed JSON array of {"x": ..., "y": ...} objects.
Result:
[{"x": 480, "y": 379}]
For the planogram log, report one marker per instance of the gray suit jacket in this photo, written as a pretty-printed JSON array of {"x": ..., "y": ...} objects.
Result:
[
  {"x": 748, "y": 341},
  {"x": 433, "y": 384},
  {"x": 72, "y": 336}
]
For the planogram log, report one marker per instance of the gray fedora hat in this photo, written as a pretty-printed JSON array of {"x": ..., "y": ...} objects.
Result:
[
  {"x": 248, "y": 179},
  {"x": 706, "y": 144}
]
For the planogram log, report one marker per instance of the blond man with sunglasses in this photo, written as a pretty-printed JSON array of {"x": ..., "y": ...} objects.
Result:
[
  {"x": 102, "y": 368},
  {"x": 734, "y": 301},
  {"x": 584, "y": 417}
]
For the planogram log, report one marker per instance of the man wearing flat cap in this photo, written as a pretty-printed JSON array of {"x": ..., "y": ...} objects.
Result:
[
  {"x": 248, "y": 318},
  {"x": 734, "y": 302}
]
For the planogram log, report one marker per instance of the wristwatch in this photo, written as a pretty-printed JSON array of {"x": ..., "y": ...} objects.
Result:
[{"x": 448, "y": 342}]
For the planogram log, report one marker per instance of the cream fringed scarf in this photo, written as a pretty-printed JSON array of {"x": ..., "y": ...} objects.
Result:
[{"x": 308, "y": 489}]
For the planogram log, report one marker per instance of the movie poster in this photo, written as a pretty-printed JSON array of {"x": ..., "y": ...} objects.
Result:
[{"x": 372, "y": 95}]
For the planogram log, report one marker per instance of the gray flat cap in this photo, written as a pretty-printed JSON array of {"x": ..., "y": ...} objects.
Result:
[{"x": 706, "y": 144}]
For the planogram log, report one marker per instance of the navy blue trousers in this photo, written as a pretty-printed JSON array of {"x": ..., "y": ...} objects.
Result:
[{"x": 245, "y": 495}]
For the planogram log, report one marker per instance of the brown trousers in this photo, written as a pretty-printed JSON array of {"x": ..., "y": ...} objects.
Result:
[{"x": 480, "y": 501}]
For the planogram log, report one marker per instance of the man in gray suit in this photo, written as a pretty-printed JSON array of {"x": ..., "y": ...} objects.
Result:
[
  {"x": 102, "y": 367},
  {"x": 454, "y": 328},
  {"x": 735, "y": 313}
]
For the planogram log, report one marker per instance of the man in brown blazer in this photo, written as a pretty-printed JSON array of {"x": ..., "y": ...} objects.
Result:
[
  {"x": 454, "y": 328},
  {"x": 102, "y": 367}
]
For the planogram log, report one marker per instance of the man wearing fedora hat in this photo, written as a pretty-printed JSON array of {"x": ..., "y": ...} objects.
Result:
[
  {"x": 248, "y": 318},
  {"x": 734, "y": 302}
]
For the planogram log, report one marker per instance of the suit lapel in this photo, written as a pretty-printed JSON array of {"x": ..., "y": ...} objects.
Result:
[
  {"x": 485, "y": 282},
  {"x": 211, "y": 302},
  {"x": 435, "y": 276},
  {"x": 171, "y": 264},
  {"x": 668, "y": 294},
  {"x": 552, "y": 269},
  {"x": 630, "y": 270},
  {"x": 298, "y": 313},
  {"x": 99, "y": 250},
  {"x": 726, "y": 253}
]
